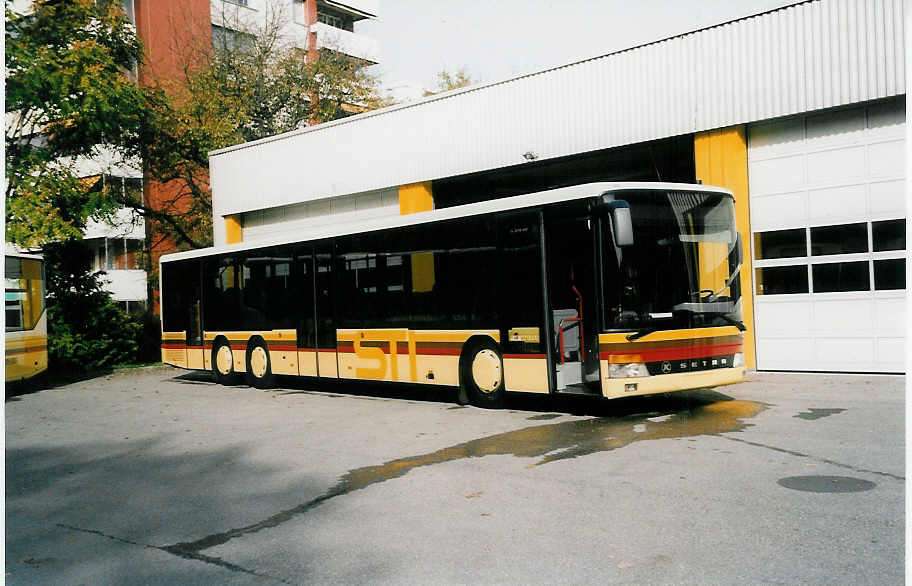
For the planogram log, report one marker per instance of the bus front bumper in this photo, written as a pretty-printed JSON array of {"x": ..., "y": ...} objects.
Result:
[{"x": 613, "y": 388}]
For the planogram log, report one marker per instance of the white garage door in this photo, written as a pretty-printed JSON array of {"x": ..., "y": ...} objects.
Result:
[{"x": 827, "y": 204}]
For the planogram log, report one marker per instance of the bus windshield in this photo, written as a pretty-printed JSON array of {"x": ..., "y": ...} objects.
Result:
[{"x": 683, "y": 265}]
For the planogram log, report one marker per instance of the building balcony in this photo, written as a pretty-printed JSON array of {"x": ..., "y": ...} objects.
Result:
[
  {"x": 126, "y": 284},
  {"x": 352, "y": 44},
  {"x": 357, "y": 8}
]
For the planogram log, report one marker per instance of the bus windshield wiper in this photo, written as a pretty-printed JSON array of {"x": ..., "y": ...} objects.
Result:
[
  {"x": 683, "y": 308},
  {"x": 640, "y": 334}
]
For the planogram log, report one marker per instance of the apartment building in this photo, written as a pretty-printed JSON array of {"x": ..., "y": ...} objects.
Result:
[{"x": 168, "y": 27}]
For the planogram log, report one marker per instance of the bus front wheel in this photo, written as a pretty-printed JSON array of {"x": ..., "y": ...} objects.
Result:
[
  {"x": 259, "y": 366},
  {"x": 481, "y": 374},
  {"x": 222, "y": 363}
]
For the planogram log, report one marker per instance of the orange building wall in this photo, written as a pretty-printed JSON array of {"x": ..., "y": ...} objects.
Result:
[{"x": 170, "y": 31}]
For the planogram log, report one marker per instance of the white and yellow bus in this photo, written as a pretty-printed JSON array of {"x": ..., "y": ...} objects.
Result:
[
  {"x": 26, "y": 319},
  {"x": 608, "y": 289}
]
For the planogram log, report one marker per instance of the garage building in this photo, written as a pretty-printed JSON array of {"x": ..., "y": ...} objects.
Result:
[{"x": 799, "y": 111}]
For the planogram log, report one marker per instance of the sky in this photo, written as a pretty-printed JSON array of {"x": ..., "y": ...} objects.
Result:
[{"x": 499, "y": 39}]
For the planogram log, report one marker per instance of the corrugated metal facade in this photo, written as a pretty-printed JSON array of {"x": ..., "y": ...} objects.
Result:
[{"x": 804, "y": 57}]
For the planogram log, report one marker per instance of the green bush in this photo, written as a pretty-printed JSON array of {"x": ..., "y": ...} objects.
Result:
[{"x": 86, "y": 330}]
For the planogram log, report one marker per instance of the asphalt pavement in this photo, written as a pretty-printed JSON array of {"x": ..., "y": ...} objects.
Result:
[{"x": 158, "y": 476}]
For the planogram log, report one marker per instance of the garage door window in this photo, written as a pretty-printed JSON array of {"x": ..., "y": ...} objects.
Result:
[
  {"x": 780, "y": 243},
  {"x": 833, "y": 277},
  {"x": 831, "y": 259},
  {"x": 840, "y": 239},
  {"x": 890, "y": 274},
  {"x": 889, "y": 235},
  {"x": 782, "y": 280}
]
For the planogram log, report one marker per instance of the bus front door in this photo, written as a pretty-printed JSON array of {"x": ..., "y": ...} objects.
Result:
[{"x": 572, "y": 303}]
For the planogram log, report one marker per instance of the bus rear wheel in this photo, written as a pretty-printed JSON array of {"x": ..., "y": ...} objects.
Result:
[
  {"x": 259, "y": 367},
  {"x": 481, "y": 375},
  {"x": 222, "y": 363}
]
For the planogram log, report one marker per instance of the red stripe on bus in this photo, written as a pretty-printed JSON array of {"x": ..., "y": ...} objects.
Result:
[
  {"x": 326, "y": 350},
  {"x": 703, "y": 351},
  {"x": 631, "y": 347},
  {"x": 174, "y": 346},
  {"x": 436, "y": 351},
  {"x": 283, "y": 348}
]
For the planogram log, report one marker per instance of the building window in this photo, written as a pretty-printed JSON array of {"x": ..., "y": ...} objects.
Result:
[{"x": 335, "y": 20}]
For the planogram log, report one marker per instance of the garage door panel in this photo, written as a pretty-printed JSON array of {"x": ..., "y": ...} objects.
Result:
[
  {"x": 777, "y": 175},
  {"x": 892, "y": 351},
  {"x": 835, "y": 128},
  {"x": 771, "y": 139},
  {"x": 890, "y": 316},
  {"x": 785, "y": 353},
  {"x": 837, "y": 203},
  {"x": 888, "y": 198},
  {"x": 783, "y": 317},
  {"x": 835, "y": 174},
  {"x": 780, "y": 211},
  {"x": 850, "y": 352},
  {"x": 887, "y": 115},
  {"x": 887, "y": 158},
  {"x": 843, "y": 316},
  {"x": 835, "y": 165}
]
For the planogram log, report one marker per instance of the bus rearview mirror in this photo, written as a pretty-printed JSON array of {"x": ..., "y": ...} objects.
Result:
[{"x": 622, "y": 224}]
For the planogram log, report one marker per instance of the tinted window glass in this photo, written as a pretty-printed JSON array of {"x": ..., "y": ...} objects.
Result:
[
  {"x": 889, "y": 235},
  {"x": 780, "y": 243},
  {"x": 520, "y": 284},
  {"x": 326, "y": 325},
  {"x": 180, "y": 301},
  {"x": 782, "y": 280},
  {"x": 268, "y": 291},
  {"x": 841, "y": 239},
  {"x": 221, "y": 294},
  {"x": 890, "y": 274},
  {"x": 841, "y": 276},
  {"x": 300, "y": 302}
]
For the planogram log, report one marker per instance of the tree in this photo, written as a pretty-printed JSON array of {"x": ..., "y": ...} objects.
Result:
[
  {"x": 86, "y": 329},
  {"x": 249, "y": 83},
  {"x": 68, "y": 96},
  {"x": 447, "y": 81}
]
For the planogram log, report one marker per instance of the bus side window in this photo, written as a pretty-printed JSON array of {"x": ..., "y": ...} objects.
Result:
[
  {"x": 519, "y": 293},
  {"x": 300, "y": 297},
  {"x": 326, "y": 296}
]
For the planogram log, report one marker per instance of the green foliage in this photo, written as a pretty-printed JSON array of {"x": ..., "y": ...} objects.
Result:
[
  {"x": 447, "y": 81},
  {"x": 67, "y": 93},
  {"x": 87, "y": 331}
]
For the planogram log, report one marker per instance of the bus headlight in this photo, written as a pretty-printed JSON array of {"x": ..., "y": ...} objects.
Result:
[
  {"x": 627, "y": 370},
  {"x": 738, "y": 360}
]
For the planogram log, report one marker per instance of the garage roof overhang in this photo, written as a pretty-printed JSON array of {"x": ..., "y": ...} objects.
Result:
[{"x": 808, "y": 56}]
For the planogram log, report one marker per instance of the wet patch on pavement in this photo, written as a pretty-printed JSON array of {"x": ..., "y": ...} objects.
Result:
[
  {"x": 816, "y": 483},
  {"x": 544, "y": 417},
  {"x": 812, "y": 413},
  {"x": 549, "y": 443}
]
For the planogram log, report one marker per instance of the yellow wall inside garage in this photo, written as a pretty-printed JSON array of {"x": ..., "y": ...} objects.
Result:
[
  {"x": 720, "y": 158},
  {"x": 414, "y": 198},
  {"x": 233, "y": 233}
]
